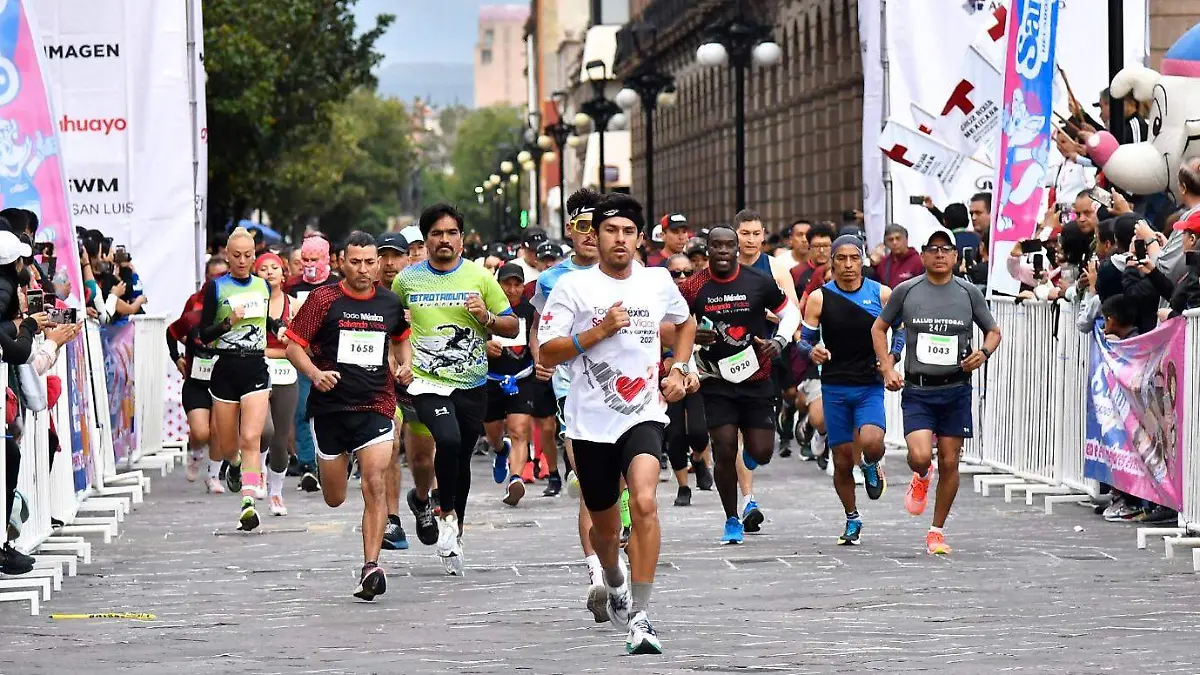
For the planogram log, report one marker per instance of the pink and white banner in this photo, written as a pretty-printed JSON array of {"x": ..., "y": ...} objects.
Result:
[
  {"x": 1023, "y": 156},
  {"x": 31, "y": 175}
]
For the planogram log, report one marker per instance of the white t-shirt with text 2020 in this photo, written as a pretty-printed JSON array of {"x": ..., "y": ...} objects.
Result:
[{"x": 614, "y": 385}]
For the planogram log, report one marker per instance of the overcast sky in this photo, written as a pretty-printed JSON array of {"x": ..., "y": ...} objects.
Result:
[{"x": 425, "y": 31}]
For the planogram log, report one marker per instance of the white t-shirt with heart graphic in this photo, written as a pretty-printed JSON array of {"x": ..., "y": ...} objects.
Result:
[{"x": 614, "y": 385}]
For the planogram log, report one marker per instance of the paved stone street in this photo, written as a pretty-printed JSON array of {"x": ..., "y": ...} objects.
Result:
[{"x": 1022, "y": 591}]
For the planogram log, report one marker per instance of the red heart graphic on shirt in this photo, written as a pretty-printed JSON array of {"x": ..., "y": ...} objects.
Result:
[
  {"x": 736, "y": 333},
  {"x": 629, "y": 388}
]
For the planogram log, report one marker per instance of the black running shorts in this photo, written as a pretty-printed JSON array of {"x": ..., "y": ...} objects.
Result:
[
  {"x": 195, "y": 396},
  {"x": 600, "y": 466},
  {"x": 236, "y": 377},
  {"x": 348, "y": 432},
  {"x": 500, "y": 405},
  {"x": 746, "y": 405}
]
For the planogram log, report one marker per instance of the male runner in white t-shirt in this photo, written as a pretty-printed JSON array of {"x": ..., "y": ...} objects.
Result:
[{"x": 604, "y": 322}]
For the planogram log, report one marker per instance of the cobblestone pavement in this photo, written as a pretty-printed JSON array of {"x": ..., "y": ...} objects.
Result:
[{"x": 1023, "y": 591}]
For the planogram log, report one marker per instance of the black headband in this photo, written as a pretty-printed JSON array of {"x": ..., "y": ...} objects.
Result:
[{"x": 632, "y": 214}]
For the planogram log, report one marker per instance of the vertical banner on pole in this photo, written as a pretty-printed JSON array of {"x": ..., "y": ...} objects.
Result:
[
  {"x": 1024, "y": 150},
  {"x": 31, "y": 175},
  {"x": 79, "y": 403},
  {"x": 870, "y": 36},
  {"x": 117, "y": 342},
  {"x": 198, "y": 78}
]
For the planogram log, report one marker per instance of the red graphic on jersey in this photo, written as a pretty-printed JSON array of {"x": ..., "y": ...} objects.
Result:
[
  {"x": 736, "y": 333},
  {"x": 629, "y": 387},
  {"x": 547, "y": 318}
]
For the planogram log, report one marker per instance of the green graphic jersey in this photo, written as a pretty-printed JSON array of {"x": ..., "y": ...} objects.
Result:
[
  {"x": 448, "y": 343},
  {"x": 248, "y": 336}
]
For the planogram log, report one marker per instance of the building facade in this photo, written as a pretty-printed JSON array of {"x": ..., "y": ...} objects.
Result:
[
  {"x": 803, "y": 115},
  {"x": 500, "y": 56}
]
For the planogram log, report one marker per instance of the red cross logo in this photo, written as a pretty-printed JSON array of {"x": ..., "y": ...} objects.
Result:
[
  {"x": 997, "y": 30},
  {"x": 897, "y": 153},
  {"x": 960, "y": 98}
]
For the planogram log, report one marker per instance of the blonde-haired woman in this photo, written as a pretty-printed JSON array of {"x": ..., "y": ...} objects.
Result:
[{"x": 233, "y": 323}]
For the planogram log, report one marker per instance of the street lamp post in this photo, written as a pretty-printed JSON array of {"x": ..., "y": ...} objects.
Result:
[
  {"x": 530, "y": 159},
  {"x": 739, "y": 42},
  {"x": 506, "y": 170},
  {"x": 653, "y": 89},
  {"x": 599, "y": 110},
  {"x": 559, "y": 132}
]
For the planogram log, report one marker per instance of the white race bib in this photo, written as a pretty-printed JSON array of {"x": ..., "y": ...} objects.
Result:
[
  {"x": 361, "y": 348},
  {"x": 739, "y": 367},
  {"x": 202, "y": 369},
  {"x": 420, "y": 386},
  {"x": 302, "y": 296},
  {"x": 282, "y": 372},
  {"x": 937, "y": 350},
  {"x": 254, "y": 304},
  {"x": 519, "y": 341}
]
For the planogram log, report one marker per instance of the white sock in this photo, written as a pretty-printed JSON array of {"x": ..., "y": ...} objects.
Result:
[
  {"x": 214, "y": 468},
  {"x": 595, "y": 571},
  {"x": 935, "y": 529},
  {"x": 818, "y": 443},
  {"x": 746, "y": 500},
  {"x": 275, "y": 482},
  {"x": 199, "y": 452}
]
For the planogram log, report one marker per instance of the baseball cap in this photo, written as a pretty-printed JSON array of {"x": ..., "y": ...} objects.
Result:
[
  {"x": 696, "y": 246},
  {"x": 548, "y": 249},
  {"x": 656, "y": 234},
  {"x": 532, "y": 237},
  {"x": 412, "y": 234},
  {"x": 12, "y": 248},
  {"x": 673, "y": 220},
  {"x": 498, "y": 249},
  {"x": 510, "y": 271},
  {"x": 1189, "y": 224},
  {"x": 392, "y": 240},
  {"x": 945, "y": 234}
]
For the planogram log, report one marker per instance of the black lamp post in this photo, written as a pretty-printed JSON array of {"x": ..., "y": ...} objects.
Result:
[
  {"x": 530, "y": 159},
  {"x": 559, "y": 132},
  {"x": 739, "y": 42},
  {"x": 653, "y": 89},
  {"x": 601, "y": 111}
]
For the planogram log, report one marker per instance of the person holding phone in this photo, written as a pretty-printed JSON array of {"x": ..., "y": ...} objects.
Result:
[{"x": 1142, "y": 281}]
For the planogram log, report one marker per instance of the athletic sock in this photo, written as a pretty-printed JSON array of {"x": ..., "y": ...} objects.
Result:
[
  {"x": 625, "y": 519},
  {"x": 614, "y": 577},
  {"x": 746, "y": 501},
  {"x": 237, "y": 460},
  {"x": 275, "y": 482},
  {"x": 938, "y": 530},
  {"x": 595, "y": 571},
  {"x": 554, "y": 474},
  {"x": 214, "y": 468},
  {"x": 853, "y": 515},
  {"x": 199, "y": 452},
  {"x": 641, "y": 595},
  {"x": 251, "y": 480}
]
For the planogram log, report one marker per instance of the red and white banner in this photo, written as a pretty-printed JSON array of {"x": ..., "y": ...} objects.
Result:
[
  {"x": 971, "y": 114},
  {"x": 921, "y": 153}
]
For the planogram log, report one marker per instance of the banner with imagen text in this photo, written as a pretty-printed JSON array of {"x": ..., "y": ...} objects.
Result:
[
  {"x": 1023, "y": 154},
  {"x": 118, "y": 74},
  {"x": 31, "y": 175},
  {"x": 1135, "y": 413}
]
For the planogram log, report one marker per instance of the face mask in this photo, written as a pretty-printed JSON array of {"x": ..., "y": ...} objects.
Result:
[{"x": 315, "y": 272}]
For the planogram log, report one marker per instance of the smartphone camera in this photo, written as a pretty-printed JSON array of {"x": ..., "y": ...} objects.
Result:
[
  {"x": 1139, "y": 249},
  {"x": 36, "y": 302}
]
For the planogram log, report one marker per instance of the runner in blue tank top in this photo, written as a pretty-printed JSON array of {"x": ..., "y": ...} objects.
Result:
[{"x": 842, "y": 313}]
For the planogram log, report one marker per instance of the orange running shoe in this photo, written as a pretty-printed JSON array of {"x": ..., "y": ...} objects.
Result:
[
  {"x": 935, "y": 543},
  {"x": 918, "y": 494},
  {"x": 527, "y": 472}
]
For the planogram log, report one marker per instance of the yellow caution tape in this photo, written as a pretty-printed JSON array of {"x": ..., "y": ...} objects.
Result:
[{"x": 107, "y": 615}]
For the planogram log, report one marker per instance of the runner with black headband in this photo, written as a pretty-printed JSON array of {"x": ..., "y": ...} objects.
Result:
[
  {"x": 731, "y": 302},
  {"x": 842, "y": 312},
  {"x": 604, "y": 323}
]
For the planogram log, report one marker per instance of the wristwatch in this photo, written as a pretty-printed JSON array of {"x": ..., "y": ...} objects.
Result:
[
  {"x": 986, "y": 353},
  {"x": 683, "y": 367}
]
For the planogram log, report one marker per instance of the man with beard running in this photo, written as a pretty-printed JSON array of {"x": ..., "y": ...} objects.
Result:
[
  {"x": 938, "y": 311},
  {"x": 731, "y": 302},
  {"x": 455, "y": 304},
  {"x": 604, "y": 322},
  {"x": 842, "y": 311},
  {"x": 339, "y": 341}
]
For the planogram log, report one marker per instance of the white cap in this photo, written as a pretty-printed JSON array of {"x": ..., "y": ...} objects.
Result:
[
  {"x": 945, "y": 233},
  {"x": 412, "y": 233},
  {"x": 12, "y": 248},
  {"x": 656, "y": 234}
]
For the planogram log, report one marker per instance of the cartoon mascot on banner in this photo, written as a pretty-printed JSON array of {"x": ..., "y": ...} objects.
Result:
[{"x": 1152, "y": 166}]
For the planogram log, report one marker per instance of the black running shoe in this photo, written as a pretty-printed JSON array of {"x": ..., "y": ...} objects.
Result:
[
  {"x": 309, "y": 482},
  {"x": 394, "y": 538},
  {"x": 704, "y": 477},
  {"x": 684, "y": 498},
  {"x": 874, "y": 479},
  {"x": 14, "y": 562},
  {"x": 233, "y": 478},
  {"x": 625, "y": 532},
  {"x": 785, "y": 449},
  {"x": 373, "y": 582},
  {"x": 823, "y": 460},
  {"x": 294, "y": 469},
  {"x": 427, "y": 527},
  {"x": 553, "y": 486}
]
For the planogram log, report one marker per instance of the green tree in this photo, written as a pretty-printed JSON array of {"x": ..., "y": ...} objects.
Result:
[{"x": 275, "y": 70}]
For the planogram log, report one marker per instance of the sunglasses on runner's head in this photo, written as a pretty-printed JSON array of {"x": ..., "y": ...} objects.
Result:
[
  {"x": 934, "y": 248},
  {"x": 680, "y": 274},
  {"x": 582, "y": 223}
]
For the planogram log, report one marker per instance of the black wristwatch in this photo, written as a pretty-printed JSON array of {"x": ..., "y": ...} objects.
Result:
[{"x": 986, "y": 353}]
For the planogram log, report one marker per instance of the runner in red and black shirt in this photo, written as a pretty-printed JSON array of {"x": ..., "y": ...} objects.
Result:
[
  {"x": 730, "y": 301},
  {"x": 195, "y": 365},
  {"x": 339, "y": 341}
]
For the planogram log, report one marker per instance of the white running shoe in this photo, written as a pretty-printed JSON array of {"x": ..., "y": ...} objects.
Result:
[
  {"x": 620, "y": 603},
  {"x": 213, "y": 485},
  {"x": 449, "y": 545},
  {"x": 277, "y": 507},
  {"x": 573, "y": 485},
  {"x": 642, "y": 638},
  {"x": 260, "y": 493},
  {"x": 195, "y": 465}
]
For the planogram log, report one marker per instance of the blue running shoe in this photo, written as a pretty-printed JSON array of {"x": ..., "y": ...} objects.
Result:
[
  {"x": 749, "y": 461},
  {"x": 752, "y": 517},
  {"x": 874, "y": 479},
  {"x": 500, "y": 462},
  {"x": 734, "y": 534},
  {"x": 394, "y": 538},
  {"x": 851, "y": 535}
]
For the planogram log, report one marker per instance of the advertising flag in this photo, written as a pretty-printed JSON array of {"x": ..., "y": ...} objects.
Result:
[{"x": 920, "y": 152}]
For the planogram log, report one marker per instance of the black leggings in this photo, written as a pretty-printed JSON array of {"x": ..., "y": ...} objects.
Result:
[
  {"x": 686, "y": 430},
  {"x": 12, "y": 468},
  {"x": 456, "y": 423}
]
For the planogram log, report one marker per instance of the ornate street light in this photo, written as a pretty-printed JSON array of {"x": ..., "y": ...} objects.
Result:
[
  {"x": 599, "y": 110},
  {"x": 559, "y": 133},
  {"x": 653, "y": 89}
]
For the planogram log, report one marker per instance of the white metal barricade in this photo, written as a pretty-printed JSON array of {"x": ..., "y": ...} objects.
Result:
[
  {"x": 150, "y": 377},
  {"x": 34, "y": 481},
  {"x": 1071, "y": 402},
  {"x": 1190, "y": 516}
]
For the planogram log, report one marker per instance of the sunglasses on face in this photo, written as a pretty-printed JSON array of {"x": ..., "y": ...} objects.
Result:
[
  {"x": 681, "y": 274},
  {"x": 940, "y": 249},
  {"x": 582, "y": 223}
]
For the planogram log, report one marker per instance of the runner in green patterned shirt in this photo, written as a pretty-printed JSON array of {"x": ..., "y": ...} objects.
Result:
[{"x": 454, "y": 304}]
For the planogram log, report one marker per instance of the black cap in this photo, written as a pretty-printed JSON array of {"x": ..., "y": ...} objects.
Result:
[
  {"x": 498, "y": 249},
  {"x": 549, "y": 249},
  {"x": 510, "y": 271},
  {"x": 673, "y": 220},
  {"x": 533, "y": 236},
  {"x": 697, "y": 246},
  {"x": 392, "y": 240}
]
